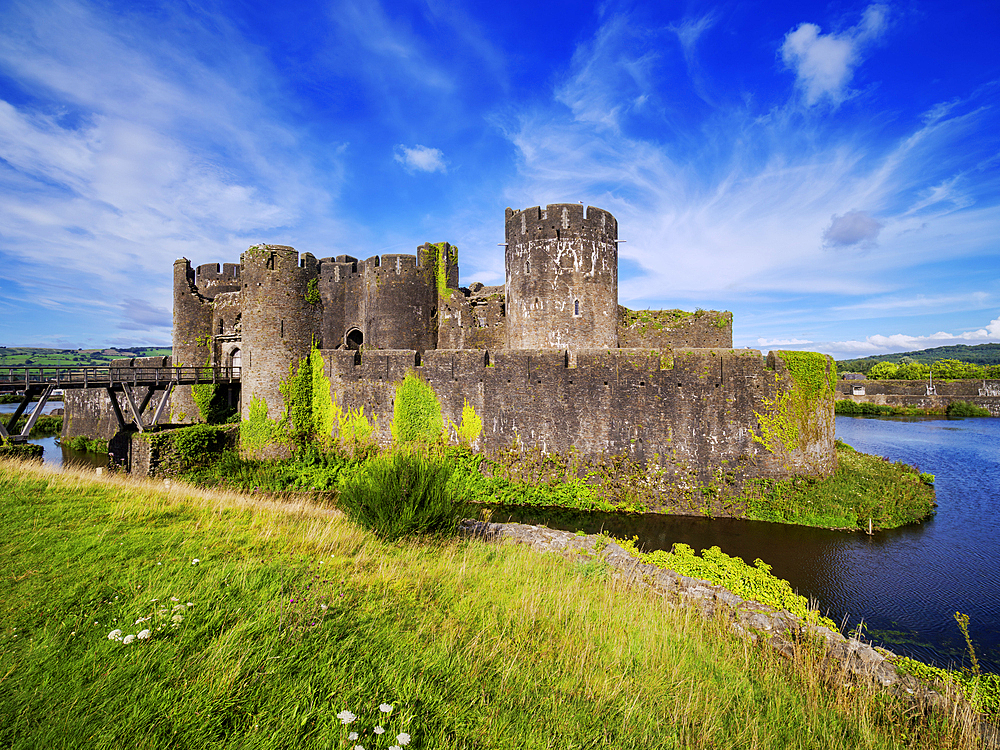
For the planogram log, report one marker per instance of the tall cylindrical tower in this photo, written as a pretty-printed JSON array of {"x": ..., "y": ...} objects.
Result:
[
  {"x": 562, "y": 278},
  {"x": 279, "y": 319}
]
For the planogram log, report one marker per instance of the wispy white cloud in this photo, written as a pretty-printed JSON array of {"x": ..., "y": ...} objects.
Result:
[
  {"x": 111, "y": 171},
  {"x": 783, "y": 342},
  {"x": 420, "y": 158},
  {"x": 899, "y": 342},
  {"x": 738, "y": 204},
  {"x": 825, "y": 63}
]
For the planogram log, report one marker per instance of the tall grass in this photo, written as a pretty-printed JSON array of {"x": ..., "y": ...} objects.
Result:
[
  {"x": 402, "y": 493},
  {"x": 298, "y": 614}
]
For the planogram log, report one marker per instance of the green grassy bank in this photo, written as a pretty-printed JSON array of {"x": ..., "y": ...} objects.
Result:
[
  {"x": 863, "y": 488},
  {"x": 267, "y": 620},
  {"x": 962, "y": 409}
]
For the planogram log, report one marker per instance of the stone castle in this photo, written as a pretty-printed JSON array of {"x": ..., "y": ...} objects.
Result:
[{"x": 549, "y": 360}]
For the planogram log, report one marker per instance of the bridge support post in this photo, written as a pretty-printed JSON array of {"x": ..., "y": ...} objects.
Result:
[
  {"x": 163, "y": 403},
  {"x": 29, "y": 425},
  {"x": 136, "y": 412},
  {"x": 116, "y": 408}
]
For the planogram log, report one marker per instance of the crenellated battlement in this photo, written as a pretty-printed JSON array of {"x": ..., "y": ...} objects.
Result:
[{"x": 560, "y": 221}]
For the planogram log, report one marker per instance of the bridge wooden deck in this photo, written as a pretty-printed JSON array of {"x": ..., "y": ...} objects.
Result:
[{"x": 42, "y": 382}]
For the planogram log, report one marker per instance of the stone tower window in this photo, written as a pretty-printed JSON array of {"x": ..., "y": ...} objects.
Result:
[
  {"x": 355, "y": 339},
  {"x": 576, "y": 307},
  {"x": 222, "y": 326},
  {"x": 527, "y": 266}
]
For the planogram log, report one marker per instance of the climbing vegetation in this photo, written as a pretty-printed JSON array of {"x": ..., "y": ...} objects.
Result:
[{"x": 416, "y": 413}]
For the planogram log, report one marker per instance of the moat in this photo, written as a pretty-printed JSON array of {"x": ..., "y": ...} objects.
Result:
[{"x": 905, "y": 584}]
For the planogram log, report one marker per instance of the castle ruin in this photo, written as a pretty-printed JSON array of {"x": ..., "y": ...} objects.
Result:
[{"x": 548, "y": 360}]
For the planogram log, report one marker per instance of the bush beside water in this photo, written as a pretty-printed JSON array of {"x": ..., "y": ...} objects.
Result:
[{"x": 401, "y": 494}]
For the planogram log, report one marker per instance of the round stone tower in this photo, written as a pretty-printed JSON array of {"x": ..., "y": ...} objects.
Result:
[
  {"x": 562, "y": 278},
  {"x": 278, "y": 321}
]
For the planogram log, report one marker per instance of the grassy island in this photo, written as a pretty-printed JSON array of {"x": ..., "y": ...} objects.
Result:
[{"x": 153, "y": 614}]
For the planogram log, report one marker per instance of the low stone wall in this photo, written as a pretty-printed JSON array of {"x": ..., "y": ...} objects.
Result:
[
  {"x": 773, "y": 627},
  {"x": 913, "y": 393}
]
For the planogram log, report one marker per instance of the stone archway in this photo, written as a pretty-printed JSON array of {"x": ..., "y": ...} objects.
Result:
[{"x": 355, "y": 339}]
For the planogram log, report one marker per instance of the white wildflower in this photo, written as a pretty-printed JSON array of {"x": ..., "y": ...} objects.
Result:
[
  {"x": 195, "y": 561},
  {"x": 174, "y": 599},
  {"x": 323, "y": 606},
  {"x": 385, "y": 708},
  {"x": 346, "y": 717},
  {"x": 378, "y": 730},
  {"x": 403, "y": 739},
  {"x": 190, "y": 604},
  {"x": 352, "y": 736},
  {"x": 128, "y": 639},
  {"x": 114, "y": 635},
  {"x": 358, "y": 747},
  {"x": 395, "y": 747},
  {"x": 177, "y": 618},
  {"x": 144, "y": 634}
]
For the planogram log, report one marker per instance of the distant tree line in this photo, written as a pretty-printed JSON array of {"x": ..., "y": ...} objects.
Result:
[
  {"x": 983, "y": 354},
  {"x": 944, "y": 369}
]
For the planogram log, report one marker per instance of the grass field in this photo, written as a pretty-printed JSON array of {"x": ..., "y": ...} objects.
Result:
[
  {"x": 266, "y": 621},
  {"x": 35, "y": 357}
]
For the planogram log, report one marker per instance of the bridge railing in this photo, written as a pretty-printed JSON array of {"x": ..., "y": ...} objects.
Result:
[{"x": 83, "y": 377}]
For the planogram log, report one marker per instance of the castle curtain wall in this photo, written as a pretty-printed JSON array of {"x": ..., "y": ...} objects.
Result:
[{"x": 690, "y": 411}]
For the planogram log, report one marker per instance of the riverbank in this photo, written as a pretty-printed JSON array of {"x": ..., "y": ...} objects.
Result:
[
  {"x": 266, "y": 621},
  {"x": 864, "y": 492}
]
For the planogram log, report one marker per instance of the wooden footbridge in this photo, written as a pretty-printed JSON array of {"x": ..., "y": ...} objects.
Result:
[{"x": 42, "y": 382}]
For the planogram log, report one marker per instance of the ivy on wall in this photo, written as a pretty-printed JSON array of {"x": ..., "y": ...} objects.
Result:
[
  {"x": 312, "y": 292},
  {"x": 442, "y": 263},
  {"x": 416, "y": 412},
  {"x": 796, "y": 410},
  {"x": 258, "y": 431},
  {"x": 471, "y": 427}
]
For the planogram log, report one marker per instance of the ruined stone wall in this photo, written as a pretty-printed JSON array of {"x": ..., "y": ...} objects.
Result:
[
  {"x": 338, "y": 287},
  {"x": 664, "y": 329},
  {"x": 472, "y": 321},
  {"x": 278, "y": 321},
  {"x": 192, "y": 333},
  {"x": 400, "y": 297},
  {"x": 913, "y": 393},
  {"x": 691, "y": 412},
  {"x": 562, "y": 278}
]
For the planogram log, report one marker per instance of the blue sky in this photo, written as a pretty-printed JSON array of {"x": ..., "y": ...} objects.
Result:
[{"x": 830, "y": 172}]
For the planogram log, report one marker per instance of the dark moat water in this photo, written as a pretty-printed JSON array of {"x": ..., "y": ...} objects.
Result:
[
  {"x": 54, "y": 453},
  {"x": 905, "y": 584}
]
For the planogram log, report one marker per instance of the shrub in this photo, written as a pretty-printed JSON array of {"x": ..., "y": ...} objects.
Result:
[
  {"x": 966, "y": 409},
  {"x": 25, "y": 451},
  {"x": 883, "y": 371},
  {"x": 400, "y": 494}
]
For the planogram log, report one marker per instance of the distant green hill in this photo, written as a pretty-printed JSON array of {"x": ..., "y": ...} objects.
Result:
[
  {"x": 981, "y": 354},
  {"x": 22, "y": 356}
]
